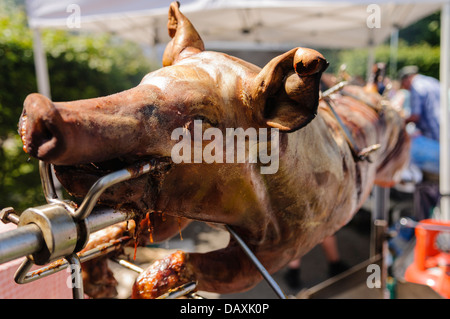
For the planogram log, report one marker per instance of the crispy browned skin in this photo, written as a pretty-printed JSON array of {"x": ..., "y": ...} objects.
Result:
[
  {"x": 163, "y": 275},
  {"x": 316, "y": 190}
]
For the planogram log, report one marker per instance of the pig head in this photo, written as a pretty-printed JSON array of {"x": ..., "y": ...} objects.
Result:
[{"x": 318, "y": 184}]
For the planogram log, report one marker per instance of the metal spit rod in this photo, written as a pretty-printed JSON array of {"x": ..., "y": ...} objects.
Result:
[
  {"x": 27, "y": 240},
  {"x": 103, "y": 183},
  {"x": 23, "y": 276},
  {"x": 272, "y": 283},
  {"x": 20, "y": 242}
]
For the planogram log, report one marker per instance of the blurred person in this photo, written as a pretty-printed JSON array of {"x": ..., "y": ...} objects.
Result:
[
  {"x": 424, "y": 113},
  {"x": 424, "y": 100},
  {"x": 400, "y": 99},
  {"x": 377, "y": 79},
  {"x": 335, "y": 265}
]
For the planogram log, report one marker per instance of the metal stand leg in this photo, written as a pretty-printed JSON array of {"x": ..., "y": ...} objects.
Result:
[
  {"x": 77, "y": 279},
  {"x": 380, "y": 218}
]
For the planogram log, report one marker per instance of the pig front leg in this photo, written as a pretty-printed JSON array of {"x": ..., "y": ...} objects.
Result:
[{"x": 223, "y": 271}]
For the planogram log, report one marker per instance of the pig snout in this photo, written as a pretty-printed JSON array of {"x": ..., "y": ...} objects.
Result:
[
  {"x": 91, "y": 130},
  {"x": 38, "y": 128}
]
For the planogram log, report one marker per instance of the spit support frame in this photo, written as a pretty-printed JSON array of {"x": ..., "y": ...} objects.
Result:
[{"x": 63, "y": 230}]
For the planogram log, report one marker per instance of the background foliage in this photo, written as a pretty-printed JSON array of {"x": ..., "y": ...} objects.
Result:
[
  {"x": 418, "y": 45},
  {"x": 80, "y": 66}
]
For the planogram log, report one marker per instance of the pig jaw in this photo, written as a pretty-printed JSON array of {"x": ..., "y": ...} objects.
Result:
[{"x": 137, "y": 195}]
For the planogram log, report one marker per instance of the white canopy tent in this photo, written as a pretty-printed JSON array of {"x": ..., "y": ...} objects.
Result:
[
  {"x": 333, "y": 23},
  {"x": 251, "y": 24}
]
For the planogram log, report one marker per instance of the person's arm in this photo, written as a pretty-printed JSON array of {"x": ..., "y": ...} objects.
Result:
[{"x": 416, "y": 107}]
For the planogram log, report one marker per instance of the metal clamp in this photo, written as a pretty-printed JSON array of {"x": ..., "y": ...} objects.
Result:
[
  {"x": 58, "y": 230},
  {"x": 63, "y": 228}
]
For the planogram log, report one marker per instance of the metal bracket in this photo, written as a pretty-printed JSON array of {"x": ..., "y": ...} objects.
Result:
[
  {"x": 8, "y": 215},
  {"x": 62, "y": 227},
  {"x": 58, "y": 230}
]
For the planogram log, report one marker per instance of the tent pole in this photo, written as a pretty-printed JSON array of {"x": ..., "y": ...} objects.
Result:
[
  {"x": 370, "y": 61},
  {"x": 40, "y": 63},
  {"x": 43, "y": 82},
  {"x": 370, "y": 54},
  {"x": 393, "y": 53},
  {"x": 444, "y": 177}
]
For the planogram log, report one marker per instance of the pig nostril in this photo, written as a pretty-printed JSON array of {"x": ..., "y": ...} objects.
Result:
[
  {"x": 306, "y": 68},
  {"x": 309, "y": 62},
  {"x": 41, "y": 141},
  {"x": 43, "y": 134}
]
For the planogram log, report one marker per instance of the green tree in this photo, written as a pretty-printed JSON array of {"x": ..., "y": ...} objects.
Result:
[
  {"x": 80, "y": 66},
  {"x": 425, "y": 56},
  {"x": 419, "y": 44},
  {"x": 426, "y": 30}
]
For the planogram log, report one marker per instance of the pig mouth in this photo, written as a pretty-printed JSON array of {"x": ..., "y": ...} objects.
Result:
[
  {"x": 138, "y": 194},
  {"x": 100, "y": 169}
]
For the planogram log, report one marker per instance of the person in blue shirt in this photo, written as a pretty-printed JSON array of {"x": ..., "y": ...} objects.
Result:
[
  {"x": 424, "y": 112},
  {"x": 424, "y": 100}
]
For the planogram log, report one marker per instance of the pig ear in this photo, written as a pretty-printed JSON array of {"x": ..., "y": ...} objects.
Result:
[
  {"x": 286, "y": 91},
  {"x": 185, "y": 39}
]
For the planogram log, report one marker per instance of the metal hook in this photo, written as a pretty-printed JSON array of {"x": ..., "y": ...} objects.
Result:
[
  {"x": 179, "y": 291},
  {"x": 77, "y": 279},
  {"x": 107, "y": 181},
  {"x": 90, "y": 200},
  {"x": 22, "y": 276},
  {"x": 333, "y": 89},
  {"x": 48, "y": 186}
]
